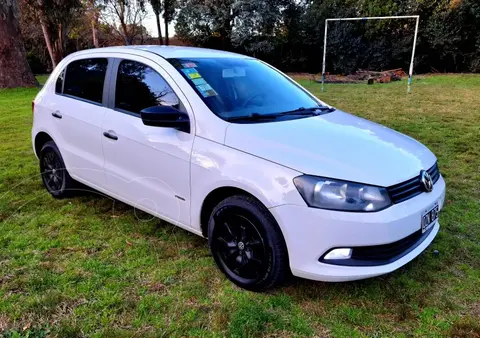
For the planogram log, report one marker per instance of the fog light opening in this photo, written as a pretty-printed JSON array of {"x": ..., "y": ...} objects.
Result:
[{"x": 342, "y": 253}]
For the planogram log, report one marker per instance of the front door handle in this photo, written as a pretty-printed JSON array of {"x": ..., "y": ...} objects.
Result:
[
  {"x": 57, "y": 114},
  {"x": 110, "y": 134}
]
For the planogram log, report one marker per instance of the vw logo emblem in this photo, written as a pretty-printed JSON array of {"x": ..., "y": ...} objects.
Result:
[{"x": 426, "y": 180}]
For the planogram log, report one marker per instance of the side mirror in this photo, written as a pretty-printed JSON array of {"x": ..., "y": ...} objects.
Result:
[{"x": 165, "y": 116}]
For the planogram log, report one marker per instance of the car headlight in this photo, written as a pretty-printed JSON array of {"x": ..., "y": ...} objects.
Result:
[{"x": 327, "y": 193}]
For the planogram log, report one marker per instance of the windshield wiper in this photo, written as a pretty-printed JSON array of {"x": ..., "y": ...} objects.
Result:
[
  {"x": 302, "y": 111},
  {"x": 306, "y": 111},
  {"x": 253, "y": 117}
]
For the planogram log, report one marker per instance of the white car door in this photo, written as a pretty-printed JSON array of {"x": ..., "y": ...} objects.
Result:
[
  {"x": 148, "y": 167},
  {"x": 79, "y": 111}
]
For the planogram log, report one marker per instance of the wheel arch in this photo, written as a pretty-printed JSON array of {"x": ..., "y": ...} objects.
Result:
[
  {"x": 216, "y": 196},
  {"x": 40, "y": 139}
]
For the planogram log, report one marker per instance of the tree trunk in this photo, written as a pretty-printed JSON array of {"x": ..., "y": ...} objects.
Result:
[
  {"x": 48, "y": 41},
  {"x": 57, "y": 46},
  {"x": 166, "y": 32},
  {"x": 124, "y": 29},
  {"x": 94, "y": 12},
  {"x": 123, "y": 25},
  {"x": 14, "y": 68},
  {"x": 60, "y": 49},
  {"x": 142, "y": 37},
  {"x": 94, "y": 33},
  {"x": 159, "y": 28}
]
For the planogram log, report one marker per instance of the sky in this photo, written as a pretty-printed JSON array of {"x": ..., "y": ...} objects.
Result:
[{"x": 151, "y": 24}]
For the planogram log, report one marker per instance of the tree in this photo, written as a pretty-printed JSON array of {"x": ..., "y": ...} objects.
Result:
[
  {"x": 157, "y": 10},
  {"x": 285, "y": 33},
  {"x": 14, "y": 69},
  {"x": 258, "y": 24},
  {"x": 168, "y": 15},
  {"x": 34, "y": 42},
  {"x": 93, "y": 9},
  {"x": 126, "y": 17},
  {"x": 205, "y": 23},
  {"x": 56, "y": 18}
]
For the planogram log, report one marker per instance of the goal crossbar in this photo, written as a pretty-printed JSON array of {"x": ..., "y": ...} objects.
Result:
[{"x": 416, "y": 17}]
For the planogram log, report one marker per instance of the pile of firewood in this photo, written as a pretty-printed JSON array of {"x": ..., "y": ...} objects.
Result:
[
  {"x": 385, "y": 76},
  {"x": 366, "y": 76}
]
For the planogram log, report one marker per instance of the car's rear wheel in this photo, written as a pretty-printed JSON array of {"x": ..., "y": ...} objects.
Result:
[
  {"x": 247, "y": 244},
  {"x": 55, "y": 176}
]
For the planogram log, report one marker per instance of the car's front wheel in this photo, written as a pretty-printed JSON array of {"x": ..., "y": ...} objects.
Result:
[
  {"x": 55, "y": 176},
  {"x": 247, "y": 244}
]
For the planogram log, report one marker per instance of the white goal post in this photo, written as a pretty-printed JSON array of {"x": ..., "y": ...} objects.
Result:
[{"x": 410, "y": 72}]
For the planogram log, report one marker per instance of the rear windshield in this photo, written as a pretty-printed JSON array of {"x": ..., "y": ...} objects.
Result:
[{"x": 233, "y": 87}]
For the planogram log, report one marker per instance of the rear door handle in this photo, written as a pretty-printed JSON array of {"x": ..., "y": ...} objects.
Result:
[
  {"x": 110, "y": 134},
  {"x": 57, "y": 114}
]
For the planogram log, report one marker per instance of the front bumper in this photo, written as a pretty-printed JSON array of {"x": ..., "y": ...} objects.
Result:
[{"x": 309, "y": 233}]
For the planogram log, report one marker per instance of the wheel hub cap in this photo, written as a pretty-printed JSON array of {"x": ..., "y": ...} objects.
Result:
[
  {"x": 239, "y": 245},
  {"x": 51, "y": 171}
]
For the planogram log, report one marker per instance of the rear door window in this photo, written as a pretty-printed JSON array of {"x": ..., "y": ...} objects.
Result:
[{"x": 85, "y": 79}]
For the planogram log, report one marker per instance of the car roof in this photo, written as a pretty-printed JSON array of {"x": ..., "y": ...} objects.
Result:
[{"x": 169, "y": 51}]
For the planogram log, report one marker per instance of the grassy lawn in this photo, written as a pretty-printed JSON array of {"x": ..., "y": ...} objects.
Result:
[{"x": 88, "y": 266}]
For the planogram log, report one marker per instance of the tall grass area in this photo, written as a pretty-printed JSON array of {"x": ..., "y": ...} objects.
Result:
[{"x": 89, "y": 266}]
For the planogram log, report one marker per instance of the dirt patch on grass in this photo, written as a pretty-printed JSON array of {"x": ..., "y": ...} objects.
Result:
[
  {"x": 4, "y": 322},
  {"x": 465, "y": 327},
  {"x": 475, "y": 310}
]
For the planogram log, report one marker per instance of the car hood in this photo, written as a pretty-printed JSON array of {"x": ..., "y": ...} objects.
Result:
[{"x": 335, "y": 145}]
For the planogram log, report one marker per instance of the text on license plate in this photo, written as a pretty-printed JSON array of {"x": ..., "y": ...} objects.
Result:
[{"x": 429, "y": 217}]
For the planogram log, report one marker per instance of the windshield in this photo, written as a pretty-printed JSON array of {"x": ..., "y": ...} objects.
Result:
[{"x": 236, "y": 87}]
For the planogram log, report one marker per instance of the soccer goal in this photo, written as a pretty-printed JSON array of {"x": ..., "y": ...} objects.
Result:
[{"x": 410, "y": 72}]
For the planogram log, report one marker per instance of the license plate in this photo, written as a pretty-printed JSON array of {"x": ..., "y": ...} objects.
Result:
[{"x": 429, "y": 217}]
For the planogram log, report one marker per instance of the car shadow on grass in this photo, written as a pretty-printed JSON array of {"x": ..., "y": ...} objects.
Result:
[{"x": 118, "y": 209}]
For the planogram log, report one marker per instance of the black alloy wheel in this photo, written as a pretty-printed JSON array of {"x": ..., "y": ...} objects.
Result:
[
  {"x": 52, "y": 172},
  {"x": 247, "y": 244},
  {"x": 55, "y": 177},
  {"x": 239, "y": 245}
]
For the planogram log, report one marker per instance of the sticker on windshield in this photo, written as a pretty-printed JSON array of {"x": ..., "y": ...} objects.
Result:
[
  {"x": 200, "y": 81},
  {"x": 206, "y": 90},
  {"x": 189, "y": 65},
  {"x": 194, "y": 76},
  {"x": 233, "y": 72},
  {"x": 191, "y": 73}
]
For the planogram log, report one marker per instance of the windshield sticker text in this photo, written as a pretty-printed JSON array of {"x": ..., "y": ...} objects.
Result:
[
  {"x": 192, "y": 73},
  {"x": 199, "y": 82},
  {"x": 206, "y": 90},
  {"x": 189, "y": 65}
]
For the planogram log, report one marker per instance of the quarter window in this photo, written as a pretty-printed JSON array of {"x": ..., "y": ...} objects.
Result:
[
  {"x": 59, "y": 83},
  {"x": 139, "y": 87},
  {"x": 85, "y": 78}
]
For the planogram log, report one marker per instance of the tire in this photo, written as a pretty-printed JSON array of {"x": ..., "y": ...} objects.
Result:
[
  {"x": 55, "y": 176},
  {"x": 247, "y": 244}
]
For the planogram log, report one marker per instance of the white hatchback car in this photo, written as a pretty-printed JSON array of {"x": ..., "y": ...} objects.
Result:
[{"x": 229, "y": 148}]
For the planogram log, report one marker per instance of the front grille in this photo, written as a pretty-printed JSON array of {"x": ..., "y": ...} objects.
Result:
[{"x": 413, "y": 187}]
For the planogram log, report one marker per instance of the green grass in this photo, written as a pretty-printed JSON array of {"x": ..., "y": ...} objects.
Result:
[
  {"x": 42, "y": 79},
  {"x": 86, "y": 267}
]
